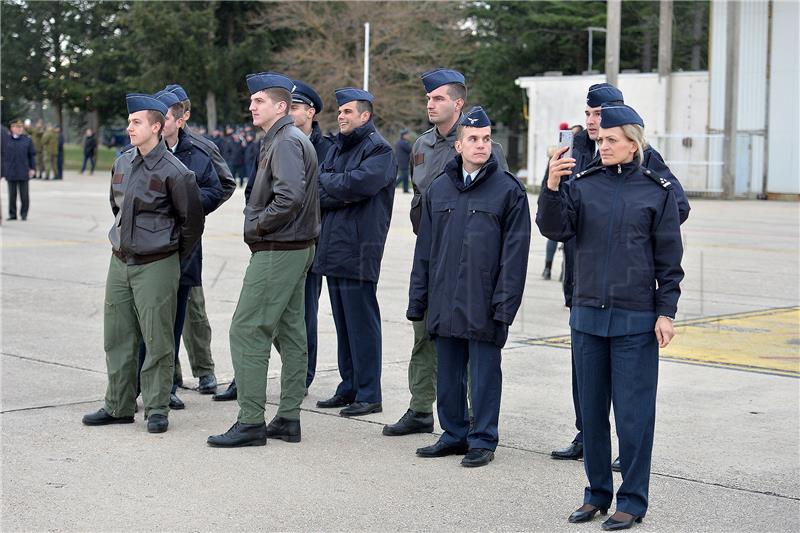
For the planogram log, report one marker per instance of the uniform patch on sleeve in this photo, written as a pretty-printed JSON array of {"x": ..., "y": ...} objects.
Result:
[
  {"x": 155, "y": 184},
  {"x": 419, "y": 159},
  {"x": 117, "y": 178}
]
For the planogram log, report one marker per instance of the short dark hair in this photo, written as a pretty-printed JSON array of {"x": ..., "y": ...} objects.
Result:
[
  {"x": 278, "y": 94},
  {"x": 456, "y": 91},
  {"x": 154, "y": 117},
  {"x": 177, "y": 110},
  {"x": 363, "y": 105},
  {"x": 187, "y": 106}
]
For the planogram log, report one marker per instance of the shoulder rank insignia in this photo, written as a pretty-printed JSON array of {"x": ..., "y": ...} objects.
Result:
[
  {"x": 656, "y": 178},
  {"x": 588, "y": 171}
]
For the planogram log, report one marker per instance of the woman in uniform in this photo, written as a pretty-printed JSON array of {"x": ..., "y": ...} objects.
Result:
[{"x": 627, "y": 276}]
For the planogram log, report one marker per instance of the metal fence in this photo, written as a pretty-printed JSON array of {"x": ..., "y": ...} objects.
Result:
[{"x": 697, "y": 161}]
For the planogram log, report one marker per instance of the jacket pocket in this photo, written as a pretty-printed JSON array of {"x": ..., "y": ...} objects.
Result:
[{"x": 153, "y": 234}]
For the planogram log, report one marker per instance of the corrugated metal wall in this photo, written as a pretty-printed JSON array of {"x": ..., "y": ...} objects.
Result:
[
  {"x": 784, "y": 99},
  {"x": 751, "y": 108}
]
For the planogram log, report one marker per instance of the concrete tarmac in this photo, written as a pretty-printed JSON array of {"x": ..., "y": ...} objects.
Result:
[{"x": 727, "y": 442}]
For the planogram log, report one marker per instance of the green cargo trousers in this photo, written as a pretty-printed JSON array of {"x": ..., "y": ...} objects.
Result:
[
  {"x": 140, "y": 303},
  {"x": 422, "y": 369},
  {"x": 271, "y": 307},
  {"x": 197, "y": 335}
]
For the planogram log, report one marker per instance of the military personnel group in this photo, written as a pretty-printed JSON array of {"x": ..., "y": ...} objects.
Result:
[{"x": 321, "y": 206}]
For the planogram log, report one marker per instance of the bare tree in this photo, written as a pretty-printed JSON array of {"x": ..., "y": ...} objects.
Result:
[{"x": 327, "y": 49}]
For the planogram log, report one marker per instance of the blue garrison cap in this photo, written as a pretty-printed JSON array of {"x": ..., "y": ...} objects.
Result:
[
  {"x": 602, "y": 93},
  {"x": 178, "y": 91},
  {"x": 348, "y": 94},
  {"x": 167, "y": 98},
  {"x": 268, "y": 80},
  {"x": 144, "y": 102},
  {"x": 304, "y": 94},
  {"x": 433, "y": 79},
  {"x": 613, "y": 115},
  {"x": 476, "y": 118}
]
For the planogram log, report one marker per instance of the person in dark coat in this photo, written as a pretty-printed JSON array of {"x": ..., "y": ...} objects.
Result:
[
  {"x": 18, "y": 167},
  {"x": 89, "y": 151},
  {"x": 306, "y": 105},
  {"x": 470, "y": 263},
  {"x": 626, "y": 224},
  {"x": 250, "y": 156},
  {"x": 586, "y": 155},
  {"x": 212, "y": 195},
  {"x": 60, "y": 157},
  {"x": 402, "y": 150},
  {"x": 356, "y": 194}
]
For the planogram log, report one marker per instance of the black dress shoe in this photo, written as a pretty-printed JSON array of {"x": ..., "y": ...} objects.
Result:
[
  {"x": 157, "y": 423},
  {"x": 411, "y": 422},
  {"x": 176, "y": 403},
  {"x": 208, "y": 384},
  {"x": 284, "y": 429},
  {"x": 334, "y": 401},
  {"x": 614, "y": 525},
  {"x": 616, "y": 466},
  {"x": 585, "y": 516},
  {"x": 102, "y": 418},
  {"x": 573, "y": 451},
  {"x": 361, "y": 409},
  {"x": 228, "y": 395},
  {"x": 477, "y": 457},
  {"x": 442, "y": 449},
  {"x": 240, "y": 435}
]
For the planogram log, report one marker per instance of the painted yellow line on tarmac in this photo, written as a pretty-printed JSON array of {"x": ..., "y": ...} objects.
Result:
[{"x": 762, "y": 341}]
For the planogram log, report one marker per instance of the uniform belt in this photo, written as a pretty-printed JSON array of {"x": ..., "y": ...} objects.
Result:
[
  {"x": 274, "y": 246},
  {"x": 139, "y": 259}
]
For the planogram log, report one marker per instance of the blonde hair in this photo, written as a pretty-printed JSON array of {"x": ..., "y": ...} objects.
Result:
[{"x": 635, "y": 133}]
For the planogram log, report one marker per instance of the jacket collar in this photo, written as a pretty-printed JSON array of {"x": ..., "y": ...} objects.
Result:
[
  {"x": 356, "y": 136},
  {"x": 454, "y": 170},
  {"x": 625, "y": 168},
  {"x": 449, "y": 138},
  {"x": 153, "y": 156},
  {"x": 316, "y": 133},
  {"x": 280, "y": 123},
  {"x": 184, "y": 143}
]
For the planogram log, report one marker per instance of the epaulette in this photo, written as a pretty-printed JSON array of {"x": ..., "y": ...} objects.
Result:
[
  {"x": 200, "y": 148},
  {"x": 656, "y": 178},
  {"x": 588, "y": 171},
  {"x": 516, "y": 180}
]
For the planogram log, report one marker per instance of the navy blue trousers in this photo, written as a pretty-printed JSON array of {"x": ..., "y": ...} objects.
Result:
[
  {"x": 313, "y": 291},
  {"x": 456, "y": 358},
  {"x": 358, "y": 335},
  {"x": 180, "y": 318},
  {"x": 624, "y": 371},
  {"x": 576, "y": 401}
]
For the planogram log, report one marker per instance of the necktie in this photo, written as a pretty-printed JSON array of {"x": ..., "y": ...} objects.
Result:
[{"x": 468, "y": 180}]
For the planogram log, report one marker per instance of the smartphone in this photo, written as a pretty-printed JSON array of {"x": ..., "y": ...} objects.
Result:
[{"x": 565, "y": 139}]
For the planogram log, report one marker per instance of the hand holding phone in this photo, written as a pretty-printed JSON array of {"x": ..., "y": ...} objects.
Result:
[{"x": 565, "y": 138}]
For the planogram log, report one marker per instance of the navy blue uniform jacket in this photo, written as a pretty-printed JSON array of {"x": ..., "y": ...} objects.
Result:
[
  {"x": 628, "y": 240},
  {"x": 471, "y": 256},
  {"x": 18, "y": 156},
  {"x": 583, "y": 151},
  {"x": 211, "y": 194},
  {"x": 356, "y": 195}
]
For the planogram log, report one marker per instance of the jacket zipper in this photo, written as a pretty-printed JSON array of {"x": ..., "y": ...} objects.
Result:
[{"x": 604, "y": 297}]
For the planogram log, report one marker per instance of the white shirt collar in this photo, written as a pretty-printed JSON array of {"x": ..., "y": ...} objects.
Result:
[{"x": 464, "y": 174}]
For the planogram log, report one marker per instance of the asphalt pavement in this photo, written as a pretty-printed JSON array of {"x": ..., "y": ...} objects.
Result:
[{"x": 727, "y": 441}]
